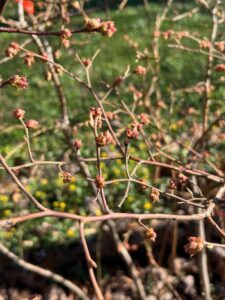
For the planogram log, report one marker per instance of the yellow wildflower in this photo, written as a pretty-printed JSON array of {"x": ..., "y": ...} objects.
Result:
[
  {"x": 147, "y": 205},
  {"x": 4, "y": 198},
  {"x": 72, "y": 187},
  {"x": 7, "y": 212},
  {"x": 70, "y": 232},
  {"x": 44, "y": 181}
]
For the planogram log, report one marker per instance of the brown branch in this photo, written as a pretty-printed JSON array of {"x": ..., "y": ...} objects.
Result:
[
  {"x": 106, "y": 217},
  {"x": 219, "y": 230},
  {"x": 91, "y": 264},
  {"x": 43, "y": 272},
  {"x": 42, "y": 33},
  {"x": 20, "y": 185}
]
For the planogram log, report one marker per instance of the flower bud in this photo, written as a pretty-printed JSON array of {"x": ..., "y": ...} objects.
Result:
[
  {"x": 220, "y": 68},
  {"x": 31, "y": 124},
  {"x": 29, "y": 59},
  {"x": 172, "y": 185},
  {"x": 12, "y": 50},
  {"x": 65, "y": 33},
  {"x": 194, "y": 245},
  {"x": 96, "y": 112},
  {"x": 154, "y": 195},
  {"x": 139, "y": 70},
  {"x": 109, "y": 137},
  {"x": 66, "y": 176},
  {"x": 92, "y": 24},
  {"x": 99, "y": 181},
  {"x": 151, "y": 235},
  {"x": 19, "y": 81},
  {"x": 108, "y": 28},
  {"x": 144, "y": 119},
  {"x": 86, "y": 62},
  {"x": 18, "y": 113},
  {"x": 101, "y": 140},
  {"x": 77, "y": 144}
]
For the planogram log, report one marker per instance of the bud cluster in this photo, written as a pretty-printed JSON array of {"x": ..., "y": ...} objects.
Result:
[
  {"x": 66, "y": 176},
  {"x": 77, "y": 144},
  {"x": 133, "y": 130},
  {"x": 140, "y": 71},
  {"x": 12, "y": 50},
  {"x": 220, "y": 68},
  {"x": 154, "y": 195},
  {"x": 106, "y": 28},
  {"x": 100, "y": 182},
  {"x": 65, "y": 35},
  {"x": 194, "y": 245},
  {"x": 19, "y": 114},
  {"x": 96, "y": 114},
  {"x": 104, "y": 138},
  {"x": 18, "y": 81}
]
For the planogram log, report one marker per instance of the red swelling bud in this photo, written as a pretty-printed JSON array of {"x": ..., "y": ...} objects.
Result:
[
  {"x": 100, "y": 182},
  {"x": 86, "y": 62},
  {"x": 101, "y": 140},
  {"x": 18, "y": 113},
  {"x": 144, "y": 119},
  {"x": 96, "y": 112},
  {"x": 12, "y": 50},
  {"x": 154, "y": 195},
  {"x": 77, "y": 144},
  {"x": 104, "y": 139},
  {"x": 31, "y": 124},
  {"x": 220, "y": 68},
  {"x": 66, "y": 176},
  {"x": 92, "y": 24},
  {"x": 65, "y": 33},
  {"x": 108, "y": 28},
  {"x": 139, "y": 70},
  {"x": 133, "y": 130},
  {"x": 194, "y": 245},
  {"x": 19, "y": 82},
  {"x": 29, "y": 59}
]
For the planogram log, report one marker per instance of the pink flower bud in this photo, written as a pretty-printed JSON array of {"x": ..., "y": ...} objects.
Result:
[
  {"x": 96, "y": 112},
  {"x": 77, "y": 144},
  {"x": 92, "y": 24},
  {"x": 86, "y": 62},
  {"x": 19, "y": 81},
  {"x": 65, "y": 33},
  {"x": 100, "y": 182},
  {"x": 101, "y": 140},
  {"x": 12, "y": 50},
  {"x": 154, "y": 195},
  {"x": 29, "y": 59},
  {"x": 31, "y": 124},
  {"x": 108, "y": 28},
  {"x": 109, "y": 138},
  {"x": 66, "y": 176},
  {"x": 18, "y": 113},
  {"x": 144, "y": 119},
  {"x": 220, "y": 68},
  {"x": 139, "y": 70},
  {"x": 194, "y": 245}
]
